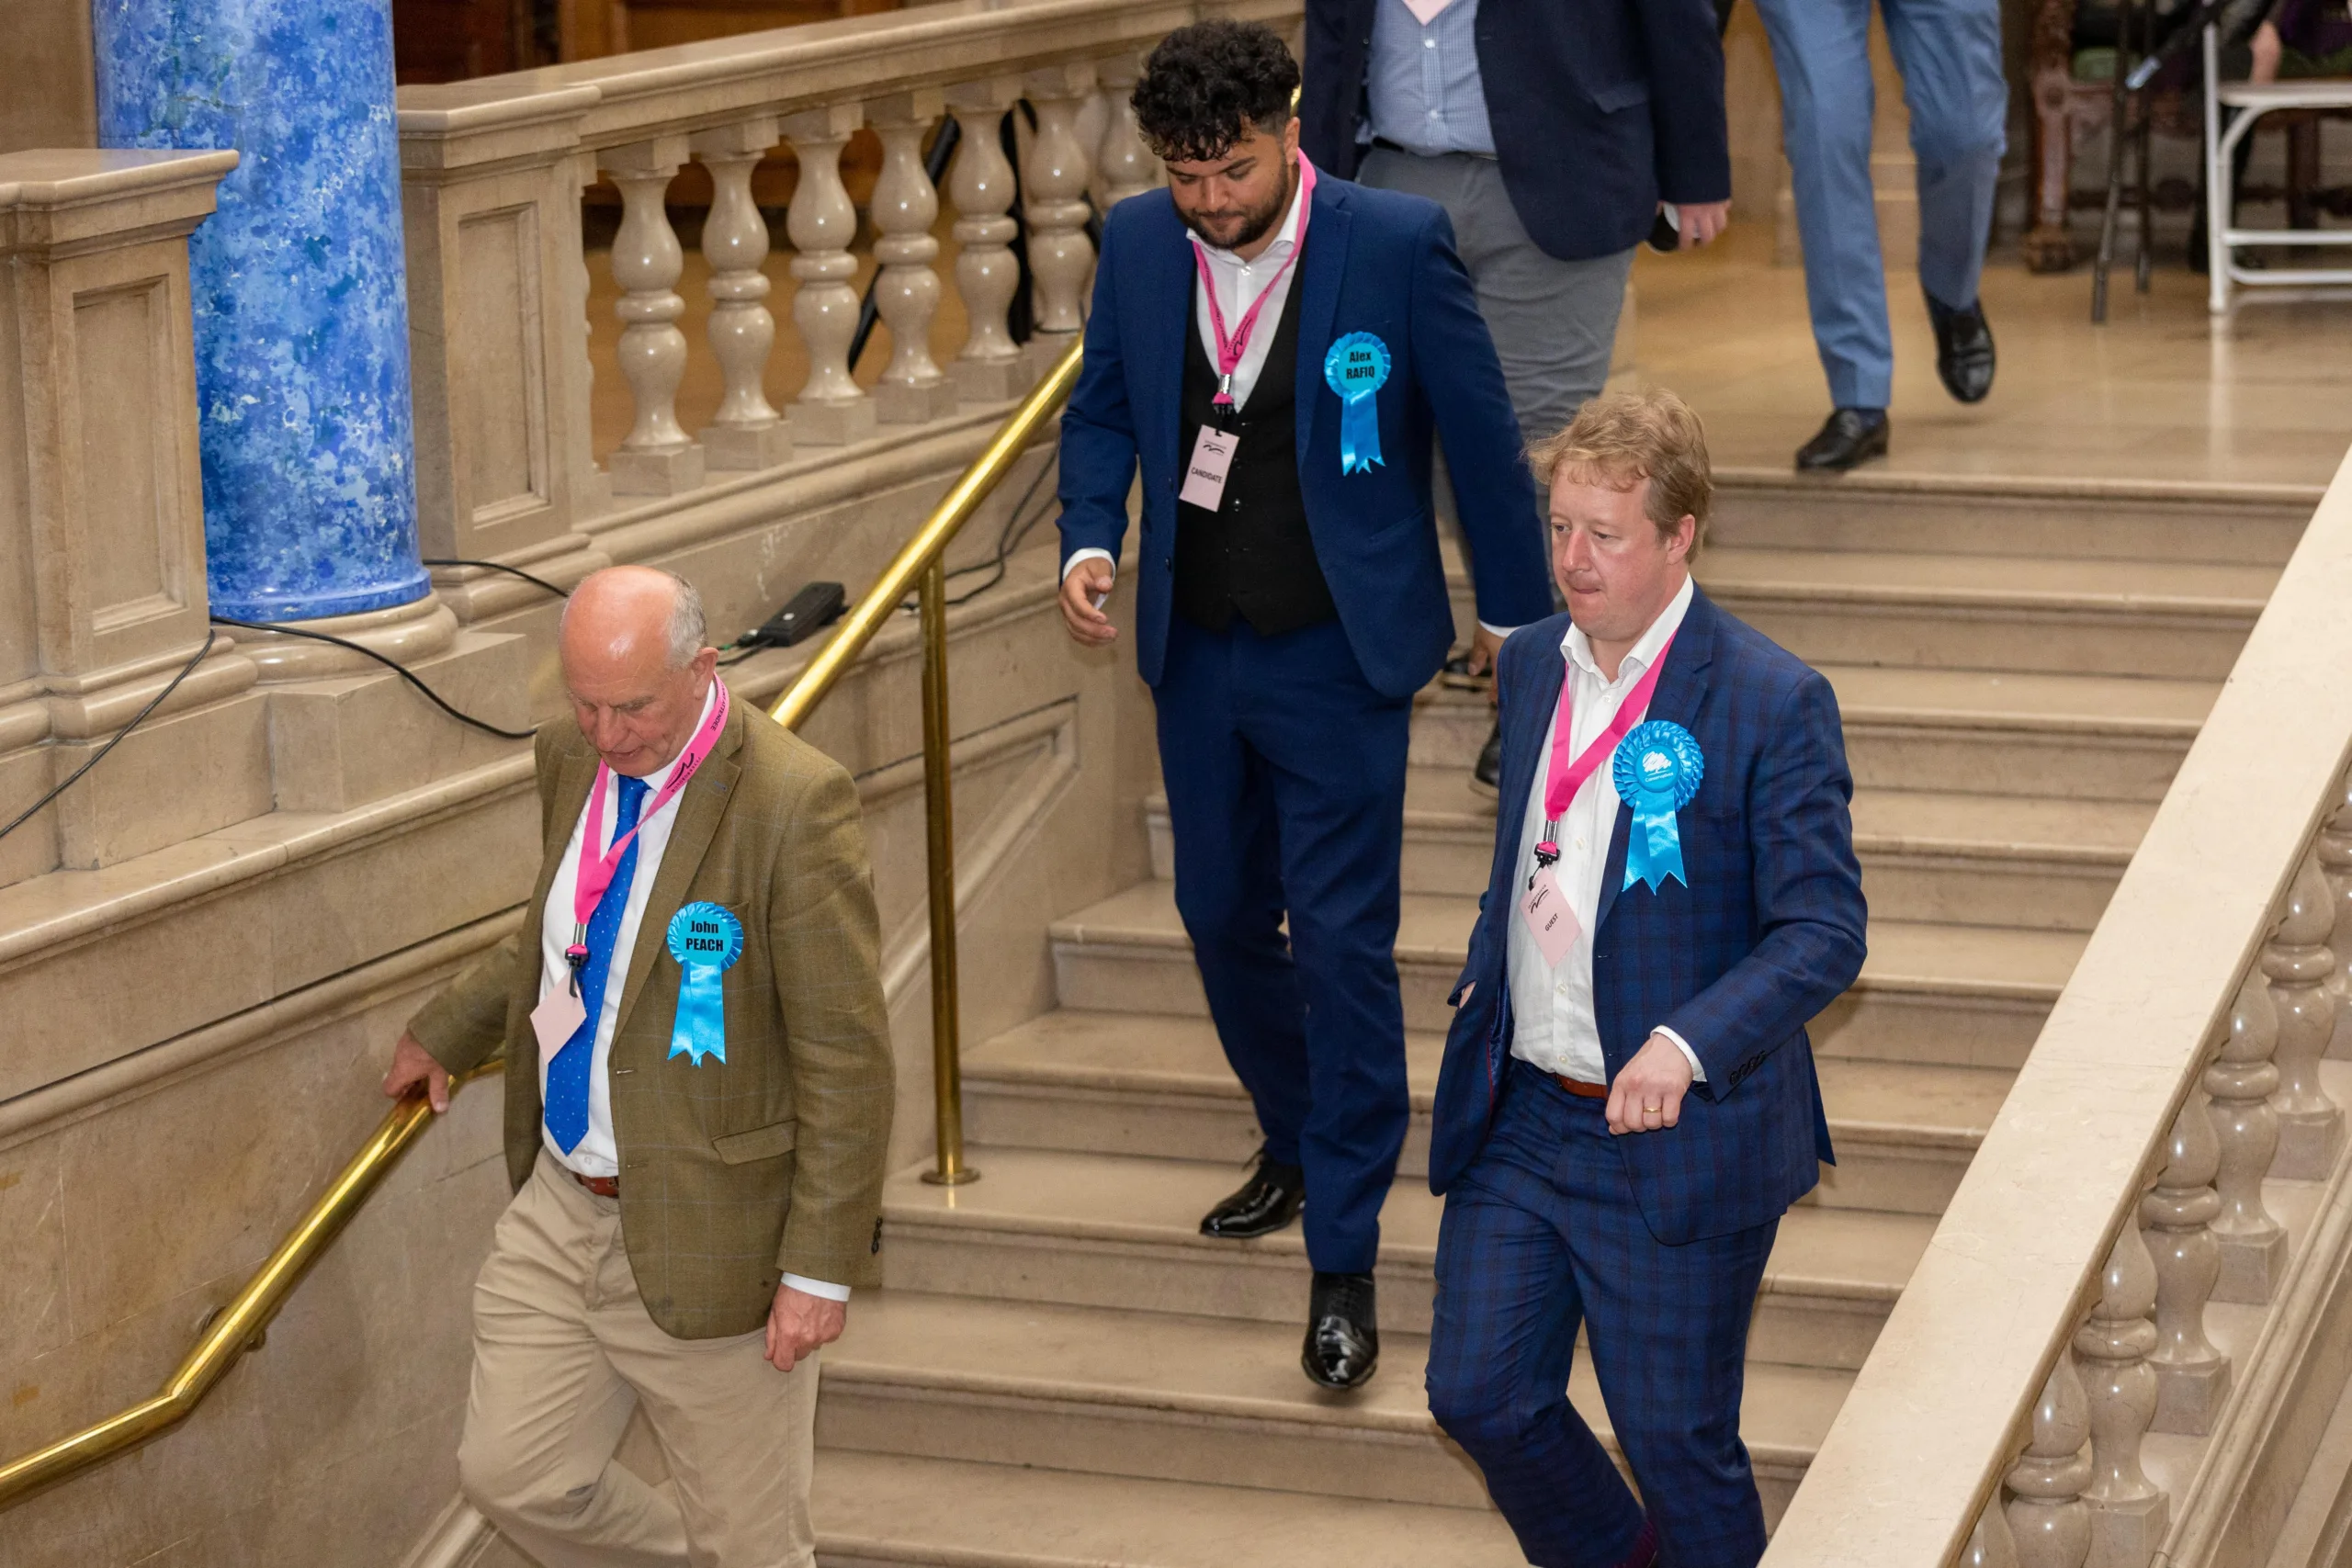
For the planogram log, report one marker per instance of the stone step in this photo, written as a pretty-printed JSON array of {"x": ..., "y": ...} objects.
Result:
[
  {"x": 2066, "y": 736},
  {"x": 875, "y": 1510},
  {"x": 2102, "y": 520},
  {"x": 1216, "y": 1401},
  {"x": 2171, "y": 619},
  {"x": 1130, "y": 1083},
  {"x": 1122, "y": 1231},
  {"x": 1962, "y": 858},
  {"x": 1970, "y": 996}
]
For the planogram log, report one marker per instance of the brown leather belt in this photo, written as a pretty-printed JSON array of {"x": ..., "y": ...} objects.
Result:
[
  {"x": 1576, "y": 1087},
  {"x": 602, "y": 1186}
]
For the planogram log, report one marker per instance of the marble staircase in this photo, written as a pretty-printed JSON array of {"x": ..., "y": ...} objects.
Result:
[{"x": 1063, "y": 1371}]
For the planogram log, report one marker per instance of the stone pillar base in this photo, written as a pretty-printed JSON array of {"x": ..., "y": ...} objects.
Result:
[
  {"x": 2126, "y": 1535},
  {"x": 992, "y": 380},
  {"x": 2308, "y": 1143},
  {"x": 1044, "y": 351},
  {"x": 2188, "y": 1398},
  {"x": 671, "y": 471},
  {"x": 757, "y": 447},
  {"x": 914, "y": 405},
  {"x": 831, "y": 424},
  {"x": 2251, "y": 1268}
]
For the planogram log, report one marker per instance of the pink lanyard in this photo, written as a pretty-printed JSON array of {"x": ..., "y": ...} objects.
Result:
[
  {"x": 1566, "y": 777},
  {"x": 1229, "y": 349},
  {"x": 597, "y": 870}
]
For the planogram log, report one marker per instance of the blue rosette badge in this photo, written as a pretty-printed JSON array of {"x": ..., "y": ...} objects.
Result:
[
  {"x": 1355, "y": 369},
  {"x": 706, "y": 938},
  {"x": 1657, "y": 770}
]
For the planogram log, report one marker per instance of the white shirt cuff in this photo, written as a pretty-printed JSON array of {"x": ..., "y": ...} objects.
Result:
[
  {"x": 1494, "y": 630},
  {"x": 1090, "y": 553},
  {"x": 1698, "y": 1068},
  {"x": 832, "y": 1292}
]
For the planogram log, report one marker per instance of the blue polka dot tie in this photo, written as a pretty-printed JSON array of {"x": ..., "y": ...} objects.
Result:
[{"x": 568, "y": 1074}]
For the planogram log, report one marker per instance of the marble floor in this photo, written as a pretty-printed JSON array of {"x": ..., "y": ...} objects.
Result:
[{"x": 2163, "y": 392}]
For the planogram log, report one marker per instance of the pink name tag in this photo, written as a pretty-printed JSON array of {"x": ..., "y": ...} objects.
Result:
[
  {"x": 1204, "y": 475},
  {"x": 1549, "y": 919},
  {"x": 554, "y": 1021}
]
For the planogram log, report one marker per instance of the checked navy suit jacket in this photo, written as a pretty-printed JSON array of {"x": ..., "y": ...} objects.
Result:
[
  {"x": 1767, "y": 932},
  {"x": 1374, "y": 260}
]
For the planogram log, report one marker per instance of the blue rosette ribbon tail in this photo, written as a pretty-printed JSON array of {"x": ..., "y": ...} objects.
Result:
[
  {"x": 1657, "y": 770},
  {"x": 1355, "y": 370},
  {"x": 706, "y": 938}
]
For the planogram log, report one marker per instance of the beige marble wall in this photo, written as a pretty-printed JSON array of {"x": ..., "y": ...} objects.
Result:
[{"x": 48, "y": 91}]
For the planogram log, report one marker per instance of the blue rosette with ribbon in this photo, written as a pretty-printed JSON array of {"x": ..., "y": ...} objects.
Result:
[
  {"x": 1355, "y": 370},
  {"x": 1657, "y": 770},
  {"x": 706, "y": 938}
]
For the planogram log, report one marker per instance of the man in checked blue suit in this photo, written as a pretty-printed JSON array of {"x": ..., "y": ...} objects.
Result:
[
  {"x": 1275, "y": 348},
  {"x": 1628, "y": 1103}
]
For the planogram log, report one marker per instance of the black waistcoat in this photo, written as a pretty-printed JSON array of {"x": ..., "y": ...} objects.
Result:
[{"x": 1253, "y": 556}]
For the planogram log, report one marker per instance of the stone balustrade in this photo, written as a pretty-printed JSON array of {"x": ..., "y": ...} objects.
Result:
[
  {"x": 2099, "y": 1361},
  {"x": 494, "y": 169}
]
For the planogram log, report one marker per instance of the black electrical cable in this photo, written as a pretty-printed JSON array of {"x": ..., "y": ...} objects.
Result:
[
  {"x": 509, "y": 570},
  {"x": 393, "y": 664},
  {"x": 100, "y": 754},
  {"x": 1017, "y": 528}
]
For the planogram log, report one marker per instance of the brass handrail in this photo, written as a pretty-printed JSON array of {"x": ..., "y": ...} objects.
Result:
[
  {"x": 239, "y": 1326},
  {"x": 923, "y": 562}
]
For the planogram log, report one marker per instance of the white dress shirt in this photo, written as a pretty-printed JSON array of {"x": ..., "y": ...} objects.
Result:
[
  {"x": 597, "y": 1154},
  {"x": 1554, "y": 1025}
]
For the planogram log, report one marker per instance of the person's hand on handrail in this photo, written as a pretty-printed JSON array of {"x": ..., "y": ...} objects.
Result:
[{"x": 414, "y": 1066}]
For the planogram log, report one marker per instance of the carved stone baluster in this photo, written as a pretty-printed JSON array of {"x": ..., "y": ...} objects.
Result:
[
  {"x": 2049, "y": 1524},
  {"x": 1061, "y": 258},
  {"x": 2335, "y": 854},
  {"x": 990, "y": 367},
  {"x": 2191, "y": 1374},
  {"x": 657, "y": 458},
  {"x": 913, "y": 388},
  {"x": 747, "y": 431},
  {"x": 2238, "y": 1082},
  {"x": 2300, "y": 964},
  {"x": 1124, "y": 166},
  {"x": 592, "y": 486},
  {"x": 1990, "y": 1544},
  {"x": 831, "y": 409},
  {"x": 2129, "y": 1512}
]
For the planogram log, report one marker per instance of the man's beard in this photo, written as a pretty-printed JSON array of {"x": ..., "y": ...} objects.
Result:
[{"x": 1256, "y": 225}]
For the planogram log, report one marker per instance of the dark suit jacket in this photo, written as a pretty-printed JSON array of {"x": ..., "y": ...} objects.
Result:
[
  {"x": 1600, "y": 108},
  {"x": 1373, "y": 261},
  {"x": 733, "y": 1173},
  {"x": 1766, "y": 932}
]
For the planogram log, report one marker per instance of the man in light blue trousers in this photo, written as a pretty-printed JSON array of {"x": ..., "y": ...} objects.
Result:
[{"x": 1949, "y": 54}]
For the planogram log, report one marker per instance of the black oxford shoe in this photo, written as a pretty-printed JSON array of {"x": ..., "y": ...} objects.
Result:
[
  {"x": 1487, "y": 774},
  {"x": 1342, "y": 1339},
  {"x": 1963, "y": 349},
  {"x": 1269, "y": 1200},
  {"x": 1850, "y": 436}
]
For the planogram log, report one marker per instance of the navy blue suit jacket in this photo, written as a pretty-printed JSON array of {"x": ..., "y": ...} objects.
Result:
[
  {"x": 1373, "y": 261},
  {"x": 1767, "y": 930},
  {"x": 1600, "y": 108}
]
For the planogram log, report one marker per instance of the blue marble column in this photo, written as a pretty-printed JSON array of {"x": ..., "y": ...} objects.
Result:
[{"x": 299, "y": 289}]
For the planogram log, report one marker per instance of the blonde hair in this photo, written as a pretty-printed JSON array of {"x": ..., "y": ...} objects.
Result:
[{"x": 1621, "y": 439}]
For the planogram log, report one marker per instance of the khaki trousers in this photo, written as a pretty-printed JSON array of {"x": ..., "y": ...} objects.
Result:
[{"x": 564, "y": 1351}]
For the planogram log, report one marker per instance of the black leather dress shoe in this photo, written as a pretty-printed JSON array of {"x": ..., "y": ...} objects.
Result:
[
  {"x": 1342, "y": 1337},
  {"x": 1851, "y": 437},
  {"x": 1487, "y": 773},
  {"x": 1269, "y": 1200},
  {"x": 1963, "y": 349}
]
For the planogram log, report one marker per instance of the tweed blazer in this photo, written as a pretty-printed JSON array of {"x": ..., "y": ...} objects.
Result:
[
  {"x": 733, "y": 1173},
  {"x": 1768, "y": 928}
]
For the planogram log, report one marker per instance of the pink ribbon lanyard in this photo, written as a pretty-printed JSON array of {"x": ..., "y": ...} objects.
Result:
[
  {"x": 1566, "y": 777},
  {"x": 597, "y": 870},
  {"x": 1230, "y": 348}
]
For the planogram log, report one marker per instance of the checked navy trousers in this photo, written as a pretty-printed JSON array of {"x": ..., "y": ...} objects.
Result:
[{"x": 1541, "y": 1234}]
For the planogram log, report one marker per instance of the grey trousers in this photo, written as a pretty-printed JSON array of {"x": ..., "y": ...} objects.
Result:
[{"x": 1553, "y": 321}]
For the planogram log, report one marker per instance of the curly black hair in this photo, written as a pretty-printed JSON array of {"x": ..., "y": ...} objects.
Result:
[{"x": 1207, "y": 84}]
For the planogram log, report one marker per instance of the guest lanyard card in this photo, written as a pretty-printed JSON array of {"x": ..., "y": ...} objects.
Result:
[
  {"x": 1204, "y": 475},
  {"x": 1549, "y": 919}
]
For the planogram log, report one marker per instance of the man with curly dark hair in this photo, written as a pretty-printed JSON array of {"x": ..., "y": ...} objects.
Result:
[{"x": 1275, "y": 349}]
